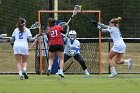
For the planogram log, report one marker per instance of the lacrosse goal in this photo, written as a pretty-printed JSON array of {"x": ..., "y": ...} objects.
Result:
[{"x": 91, "y": 51}]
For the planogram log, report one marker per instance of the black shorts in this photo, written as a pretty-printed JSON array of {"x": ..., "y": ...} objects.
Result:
[{"x": 55, "y": 48}]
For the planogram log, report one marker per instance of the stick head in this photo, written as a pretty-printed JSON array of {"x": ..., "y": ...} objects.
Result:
[
  {"x": 35, "y": 25},
  {"x": 76, "y": 9}
]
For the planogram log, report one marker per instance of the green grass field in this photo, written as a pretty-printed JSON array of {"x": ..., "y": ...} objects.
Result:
[{"x": 123, "y": 83}]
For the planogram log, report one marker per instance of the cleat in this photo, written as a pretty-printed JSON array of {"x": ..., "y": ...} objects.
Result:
[
  {"x": 62, "y": 75},
  {"x": 112, "y": 74},
  {"x": 48, "y": 72},
  {"x": 86, "y": 72},
  {"x": 130, "y": 64},
  {"x": 21, "y": 77},
  {"x": 25, "y": 75}
]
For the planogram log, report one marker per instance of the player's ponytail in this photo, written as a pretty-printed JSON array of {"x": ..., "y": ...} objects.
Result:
[
  {"x": 116, "y": 21},
  {"x": 20, "y": 24},
  {"x": 51, "y": 22}
]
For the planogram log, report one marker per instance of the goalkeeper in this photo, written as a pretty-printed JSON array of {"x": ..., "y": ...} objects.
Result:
[{"x": 72, "y": 49}]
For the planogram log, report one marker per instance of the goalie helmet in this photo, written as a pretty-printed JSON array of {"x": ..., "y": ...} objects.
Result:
[{"x": 72, "y": 34}]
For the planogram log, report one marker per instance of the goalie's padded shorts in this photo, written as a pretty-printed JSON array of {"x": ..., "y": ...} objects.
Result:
[
  {"x": 21, "y": 50},
  {"x": 55, "y": 48},
  {"x": 119, "y": 48}
]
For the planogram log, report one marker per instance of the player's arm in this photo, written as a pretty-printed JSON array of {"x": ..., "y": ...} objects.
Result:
[
  {"x": 30, "y": 38},
  {"x": 64, "y": 30},
  {"x": 33, "y": 44},
  {"x": 102, "y": 29},
  {"x": 102, "y": 25},
  {"x": 77, "y": 47},
  {"x": 12, "y": 40}
]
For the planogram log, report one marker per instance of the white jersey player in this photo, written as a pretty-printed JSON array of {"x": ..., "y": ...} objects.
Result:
[
  {"x": 21, "y": 41},
  {"x": 119, "y": 46},
  {"x": 72, "y": 49},
  {"x": 20, "y": 38}
]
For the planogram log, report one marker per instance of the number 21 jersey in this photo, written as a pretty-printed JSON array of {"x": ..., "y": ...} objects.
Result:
[{"x": 55, "y": 35}]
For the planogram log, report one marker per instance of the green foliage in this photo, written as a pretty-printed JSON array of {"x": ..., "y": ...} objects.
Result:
[{"x": 11, "y": 10}]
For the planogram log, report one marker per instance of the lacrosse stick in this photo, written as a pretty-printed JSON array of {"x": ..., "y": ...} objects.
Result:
[
  {"x": 35, "y": 25},
  {"x": 76, "y": 9}
]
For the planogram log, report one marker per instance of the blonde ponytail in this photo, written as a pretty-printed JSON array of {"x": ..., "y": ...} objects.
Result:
[{"x": 116, "y": 21}]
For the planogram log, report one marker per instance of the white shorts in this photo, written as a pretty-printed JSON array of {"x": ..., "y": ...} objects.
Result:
[
  {"x": 20, "y": 50},
  {"x": 119, "y": 48}
]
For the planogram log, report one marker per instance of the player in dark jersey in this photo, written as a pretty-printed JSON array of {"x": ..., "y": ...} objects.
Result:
[{"x": 56, "y": 45}]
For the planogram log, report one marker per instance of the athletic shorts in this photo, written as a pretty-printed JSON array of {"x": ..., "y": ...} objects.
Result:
[
  {"x": 119, "y": 48},
  {"x": 20, "y": 50},
  {"x": 55, "y": 48}
]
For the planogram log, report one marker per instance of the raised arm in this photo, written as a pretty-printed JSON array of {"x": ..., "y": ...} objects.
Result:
[{"x": 103, "y": 25}]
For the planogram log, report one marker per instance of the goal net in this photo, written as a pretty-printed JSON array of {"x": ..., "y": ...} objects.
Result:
[{"x": 90, "y": 49}]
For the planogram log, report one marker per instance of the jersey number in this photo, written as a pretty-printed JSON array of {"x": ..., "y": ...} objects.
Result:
[
  {"x": 20, "y": 35},
  {"x": 54, "y": 33}
]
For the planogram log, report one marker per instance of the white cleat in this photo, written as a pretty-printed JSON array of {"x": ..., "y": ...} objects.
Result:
[
  {"x": 130, "y": 63},
  {"x": 86, "y": 72},
  {"x": 112, "y": 74},
  {"x": 61, "y": 74}
]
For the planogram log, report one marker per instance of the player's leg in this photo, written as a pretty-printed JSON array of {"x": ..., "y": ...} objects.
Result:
[
  {"x": 79, "y": 58},
  {"x": 66, "y": 57},
  {"x": 119, "y": 61},
  {"x": 118, "y": 58},
  {"x": 19, "y": 65},
  {"x": 51, "y": 58},
  {"x": 24, "y": 64},
  {"x": 60, "y": 55},
  {"x": 110, "y": 62}
]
